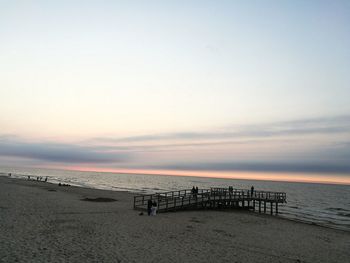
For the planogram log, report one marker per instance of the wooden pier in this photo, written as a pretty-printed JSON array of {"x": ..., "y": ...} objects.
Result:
[{"x": 213, "y": 198}]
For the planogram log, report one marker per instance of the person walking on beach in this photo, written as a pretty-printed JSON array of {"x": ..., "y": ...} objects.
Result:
[
  {"x": 154, "y": 208},
  {"x": 251, "y": 191},
  {"x": 149, "y": 207}
]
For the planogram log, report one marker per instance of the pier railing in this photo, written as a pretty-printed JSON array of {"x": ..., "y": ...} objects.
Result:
[{"x": 267, "y": 195}]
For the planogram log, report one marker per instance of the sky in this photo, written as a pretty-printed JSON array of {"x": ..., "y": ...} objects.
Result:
[{"x": 177, "y": 87}]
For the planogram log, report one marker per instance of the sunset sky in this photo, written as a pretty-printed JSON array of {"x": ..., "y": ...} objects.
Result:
[{"x": 177, "y": 86}]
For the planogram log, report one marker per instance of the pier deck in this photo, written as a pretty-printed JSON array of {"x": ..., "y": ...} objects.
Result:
[{"x": 213, "y": 198}]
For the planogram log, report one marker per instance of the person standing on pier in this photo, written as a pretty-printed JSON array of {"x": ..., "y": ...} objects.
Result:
[
  {"x": 252, "y": 191},
  {"x": 193, "y": 191}
]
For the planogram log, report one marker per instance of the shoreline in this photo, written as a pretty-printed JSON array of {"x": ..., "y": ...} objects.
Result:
[{"x": 43, "y": 222}]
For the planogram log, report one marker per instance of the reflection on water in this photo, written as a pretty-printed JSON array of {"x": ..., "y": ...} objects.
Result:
[{"x": 323, "y": 204}]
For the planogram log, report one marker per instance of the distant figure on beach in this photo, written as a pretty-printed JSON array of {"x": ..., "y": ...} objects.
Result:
[
  {"x": 193, "y": 191},
  {"x": 154, "y": 208},
  {"x": 196, "y": 190},
  {"x": 149, "y": 207},
  {"x": 252, "y": 191},
  {"x": 46, "y": 179},
  {"x": 9, "y": 174},
  {"x": 28, "y": 177},
  {"x": 37, "y": 178}
]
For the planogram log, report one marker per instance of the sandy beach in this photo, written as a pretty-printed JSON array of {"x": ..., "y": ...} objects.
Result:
[{"x": 42, "y": 222}]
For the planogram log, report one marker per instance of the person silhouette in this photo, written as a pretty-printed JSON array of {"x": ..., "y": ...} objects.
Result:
[
  {"x": 149, "y": 207},
  {"x": 193, "y": 191},
  {"x": 230, "y": 189},
  {"x": 154, "y": 208}
]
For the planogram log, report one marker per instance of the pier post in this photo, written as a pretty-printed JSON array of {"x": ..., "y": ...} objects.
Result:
[
  {"x": 276, "y": 208},
  {"x": 259, "y": 206},
  {"x": 158, "y": 203},
  {"x": 264, "y": 206}
]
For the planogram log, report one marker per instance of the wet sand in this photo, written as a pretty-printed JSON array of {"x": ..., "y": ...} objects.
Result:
[{"x": 42, "y": 222}]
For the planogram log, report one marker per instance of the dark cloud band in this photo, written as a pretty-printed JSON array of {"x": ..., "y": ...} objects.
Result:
[
  {"x": 339, "y": 168},
  {"x": 62, "y": 153}
]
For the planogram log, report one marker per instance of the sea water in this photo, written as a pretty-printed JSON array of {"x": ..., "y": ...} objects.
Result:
[{"x": 321, "y": 204}]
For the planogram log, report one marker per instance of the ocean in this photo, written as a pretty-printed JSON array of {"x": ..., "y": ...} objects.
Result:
[{"x": 322, "y": 204}]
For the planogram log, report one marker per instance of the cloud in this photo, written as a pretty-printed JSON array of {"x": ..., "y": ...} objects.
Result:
[
  {"x": 250, "y": 145},
  {"x": 55, "y": 152},
  {"x": 330, "y": 125},
  {"x": 314, "y": 167}
]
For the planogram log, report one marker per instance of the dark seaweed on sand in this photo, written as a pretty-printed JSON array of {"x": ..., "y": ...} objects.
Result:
[{"x": 99, "y": 199}]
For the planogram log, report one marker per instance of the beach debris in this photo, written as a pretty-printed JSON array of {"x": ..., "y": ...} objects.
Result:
[
  {"x": 59, "y": 184},
  {"x": 99, "y": 199}
]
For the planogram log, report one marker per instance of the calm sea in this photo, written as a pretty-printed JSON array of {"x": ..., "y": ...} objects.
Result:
[{"x": 322, "y": 204}]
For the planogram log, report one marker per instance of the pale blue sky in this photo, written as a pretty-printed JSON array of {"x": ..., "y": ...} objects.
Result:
[{"x": 74, "y": 71}]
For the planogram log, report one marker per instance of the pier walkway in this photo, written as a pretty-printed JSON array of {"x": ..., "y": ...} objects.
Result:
[{"x": 213, "y": 198}]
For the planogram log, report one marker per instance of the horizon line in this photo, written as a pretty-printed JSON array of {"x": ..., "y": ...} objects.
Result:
[{"x": 239, "y": 175}]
